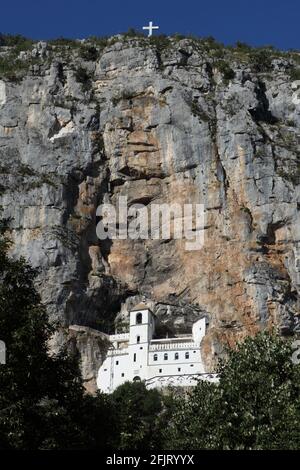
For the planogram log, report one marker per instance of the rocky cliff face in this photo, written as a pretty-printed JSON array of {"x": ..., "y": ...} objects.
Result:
[{"x": 161, "y": 121}]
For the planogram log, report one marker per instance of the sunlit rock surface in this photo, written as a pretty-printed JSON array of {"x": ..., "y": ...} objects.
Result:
[{"x": 161, "y": 124}]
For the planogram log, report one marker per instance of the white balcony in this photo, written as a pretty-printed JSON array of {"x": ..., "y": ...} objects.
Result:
[
  {"x": 119, "y": 337},
  {"x": 117, "y": 352},
  {"x": 172, "y": 346}
]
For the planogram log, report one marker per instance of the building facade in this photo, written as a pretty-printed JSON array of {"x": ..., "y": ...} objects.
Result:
[{"x": 163, "y": 362}]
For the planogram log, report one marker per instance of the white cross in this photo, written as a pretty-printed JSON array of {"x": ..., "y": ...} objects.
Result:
[{"x": 151, "y": 28}]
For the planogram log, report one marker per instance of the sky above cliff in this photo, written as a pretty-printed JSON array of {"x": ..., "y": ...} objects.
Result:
[{"x": 257, "y": 22}]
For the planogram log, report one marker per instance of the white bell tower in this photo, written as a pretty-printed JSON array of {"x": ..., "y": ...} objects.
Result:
[
  {"x": 142, "y": 327},
  {"x": 142, "y": 324}
]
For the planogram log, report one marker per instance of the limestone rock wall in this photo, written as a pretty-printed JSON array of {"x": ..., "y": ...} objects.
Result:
[{"x": 164, "y": 125}]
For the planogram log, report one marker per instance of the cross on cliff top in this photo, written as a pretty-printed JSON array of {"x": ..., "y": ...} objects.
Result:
[{"x": 150, "y": 28}]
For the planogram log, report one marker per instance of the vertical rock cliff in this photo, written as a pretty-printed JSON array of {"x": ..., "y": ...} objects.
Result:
[{"x": 166, "y": 120}]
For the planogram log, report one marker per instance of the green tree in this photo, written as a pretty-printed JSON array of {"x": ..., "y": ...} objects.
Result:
[
  {"x": 137, "y": 415},
  {"x": 42, "y": 400},
  {"x": 194, "y": 421},
  {"x": 256, "y": 404}
]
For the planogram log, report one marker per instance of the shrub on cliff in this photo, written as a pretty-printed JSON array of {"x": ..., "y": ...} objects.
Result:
[
  {"x": 295, "y": 73},
  {"x": 82, "y": 76},
  {"x": 261, "y": 60},
  {"x": 225, "y": 69},
  {"x": 17, "y": 41},
  {"x": 88, "y": 52},
  {"x": 133, "y": 33}
]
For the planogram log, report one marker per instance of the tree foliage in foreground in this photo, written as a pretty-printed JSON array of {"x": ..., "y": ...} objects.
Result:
[
  {"x": 138, "y": 416},
  {"x": 256, "y": 404},
  {"x": 42, "y": 400}
]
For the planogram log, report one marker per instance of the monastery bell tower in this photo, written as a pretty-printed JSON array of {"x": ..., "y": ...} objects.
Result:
[{"x": 142, "y": 324}]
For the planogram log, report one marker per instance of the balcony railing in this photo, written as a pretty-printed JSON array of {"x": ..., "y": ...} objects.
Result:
[
  {"x": 116, "y": 352},
  {"x": 119, "y": 337},
  {"x": 172, "y": 346}
]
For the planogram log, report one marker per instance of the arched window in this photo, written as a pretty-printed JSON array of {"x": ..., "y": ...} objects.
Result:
[
  {"x": 187, "y": 355},
  {"x": 139, "y": 318},
  {"x": 155, "y": 357},
  {"x": 165, "y": 356},
  {"x": 136, "y": 378},
  {"x": 176, "y": 356},
  {"x": 138, "y": 339}
]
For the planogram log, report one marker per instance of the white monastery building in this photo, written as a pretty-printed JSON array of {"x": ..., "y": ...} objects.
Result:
[{"x": 159, "y": 362}]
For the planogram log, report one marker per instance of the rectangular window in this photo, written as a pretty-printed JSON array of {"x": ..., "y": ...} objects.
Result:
[
  {"x": 179, "y": 369},
  {"x": 134, "y": 357},
  {"x": 160, "y": 371},
  {"x": 117, "y": 363},
  {"x": 122, "y": 374},
  {"x": 192, "y": 365}
]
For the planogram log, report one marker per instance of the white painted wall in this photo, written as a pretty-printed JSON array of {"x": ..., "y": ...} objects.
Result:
[
  {"x": 2, "y": 93},
  {"x": 175, "y": 360}
]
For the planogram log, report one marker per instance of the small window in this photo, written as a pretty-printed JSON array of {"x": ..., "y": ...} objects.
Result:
[
  {"x": 117, "y": 363},
  {"x": 141, "y": 347},
  {"x": 122, "y": 374},
  {"x": 134, "y": 357},
  {"x": 187, "y": 355},
  {"x": 139, "y": 318},
  {"x": 155, "y": 357},
  {"x": 105, "y": 370},
  {"x": 176, "y": 356},
  {"x": 160, "y": 371},
  {"x": 179, "y": 369},
  {"x": 138, "y": 339},
  {"x": 165, "y": 356},
  {"x": 192, "y": 365}
]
